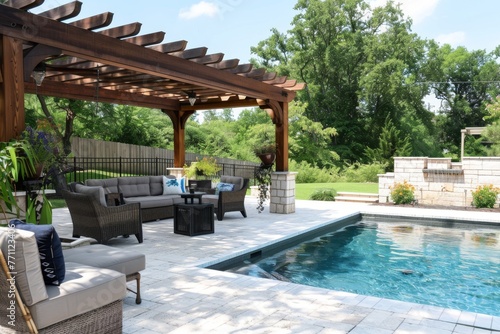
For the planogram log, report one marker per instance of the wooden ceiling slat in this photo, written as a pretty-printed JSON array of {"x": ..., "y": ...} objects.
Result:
[
  {"x": 68, "y": 61},
  {"x": 123, "y": 31},
  {"x": 269, "y": 76},
  {"x": 209, "y": 59},
  {"x": 63, "y": 12},
  {"x": 298, "y": 86},
  {"x": 191, "y": 53},
  {"x": 108, "y": 96},
  {"x": 288, "y": 83},
  {"x": 277, "y": 80},
  {"x": 226, "y": 64},
  {"x": 94, "y": 22},
  {"x": 170, "y": 47},
  {"x": 254, "y": 73},
  {"x": 243, "y": 68},
  {"x": 24, "y": 4},
  {"x": 148, "y": 39}
]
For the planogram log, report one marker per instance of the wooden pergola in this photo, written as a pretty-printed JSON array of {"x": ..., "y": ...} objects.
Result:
[{"x": 84, "y": 59}]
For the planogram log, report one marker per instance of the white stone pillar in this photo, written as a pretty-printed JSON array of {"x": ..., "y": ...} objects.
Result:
[
  {"x": 176, "y": 171},
  {"x": 282, "y": 192}
]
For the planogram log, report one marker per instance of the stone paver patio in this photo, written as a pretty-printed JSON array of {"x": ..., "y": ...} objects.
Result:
[{"x": 178, "y": 296}]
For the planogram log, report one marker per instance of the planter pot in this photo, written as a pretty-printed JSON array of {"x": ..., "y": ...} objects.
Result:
[
  {"x": 37, "y": 174},
  {"x": 267, "y": 158}
]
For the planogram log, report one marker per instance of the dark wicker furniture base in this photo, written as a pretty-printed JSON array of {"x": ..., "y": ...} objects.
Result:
[
  {"x": 104, "y": 320},
  {"x": 193, "y": 219},
  {"x": 152, "y": 214}
]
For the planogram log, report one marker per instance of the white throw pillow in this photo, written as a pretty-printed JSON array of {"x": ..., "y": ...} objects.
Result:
[{"x": 173, "y": 186}]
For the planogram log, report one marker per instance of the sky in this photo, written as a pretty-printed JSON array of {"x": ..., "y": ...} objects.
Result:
[{"x": 233, "y": 26}]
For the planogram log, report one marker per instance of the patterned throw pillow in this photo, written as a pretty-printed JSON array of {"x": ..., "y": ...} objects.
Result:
[
  {"x": 173, "y": 186},
  {"x": 223, "y": 187},
  {"x": 50, "y": 250}
]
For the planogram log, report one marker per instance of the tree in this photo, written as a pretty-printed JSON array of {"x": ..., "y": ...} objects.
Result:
[
  {"x": 492, "y": 131},
  {"x": 464, "y": 81},
  {"x": 391, "y": 144},
  {"x": 360, "y": 65}
]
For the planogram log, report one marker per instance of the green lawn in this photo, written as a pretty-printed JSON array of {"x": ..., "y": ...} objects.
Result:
[{"x": 304, "y": 190}]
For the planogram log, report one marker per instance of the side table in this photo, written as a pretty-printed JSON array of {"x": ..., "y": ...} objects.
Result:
[
  {"x": 193, "y": 219},
  {"x": 192, "y": 196}
]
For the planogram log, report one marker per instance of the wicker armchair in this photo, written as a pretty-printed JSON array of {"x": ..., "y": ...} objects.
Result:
[
  {"x": 227, "y": 201},
  {"x": 91, "y": 219}
]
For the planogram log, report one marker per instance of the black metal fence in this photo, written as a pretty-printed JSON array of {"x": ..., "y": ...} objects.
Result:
[{"x": 83, "y": 168}]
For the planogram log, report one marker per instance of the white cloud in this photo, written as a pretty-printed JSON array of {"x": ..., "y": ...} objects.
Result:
[
  {"x": 454, "y": 38},
  {"x": 202, "y": 8},
  {"x": 417, "y": 10}
]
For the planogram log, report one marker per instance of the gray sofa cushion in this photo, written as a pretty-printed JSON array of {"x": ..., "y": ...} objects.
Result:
[
  {"x": 95, "y": 191},
  {"x": 134, "y": 186},
  {"x": 156, "y": 185},
  {"x": 22, "y": 246},
  {"x": 109, "y": 185},
  {"x": 155, "y": 201},
  {"x": 84, "y": 289}
]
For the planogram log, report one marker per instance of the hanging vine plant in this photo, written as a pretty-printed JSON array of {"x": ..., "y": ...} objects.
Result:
[
  {"x": 263, "y": 178},
  {"x": 266, "y": 152}
]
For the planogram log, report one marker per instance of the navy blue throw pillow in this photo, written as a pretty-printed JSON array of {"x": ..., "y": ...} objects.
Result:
[{"x": 50, "y": 249}]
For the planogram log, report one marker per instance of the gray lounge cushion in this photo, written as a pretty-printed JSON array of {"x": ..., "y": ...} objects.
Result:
[
  {"x": 84, "y": 289},
  {"x": 101, "y": 256},
  {"x": 22, "y": 246},
  {"x": 134, "y": 186},
  {"x": 109, "y": 185},
  {"x": 95, "y": 191}
]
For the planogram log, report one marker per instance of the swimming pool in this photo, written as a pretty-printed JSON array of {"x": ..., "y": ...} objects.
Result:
[{"x": 456, "y": 267}]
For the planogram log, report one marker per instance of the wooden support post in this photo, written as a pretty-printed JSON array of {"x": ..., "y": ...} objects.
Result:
[
  {"x": 11, "y": 88},
  {"x": 278, "y": 111},
  {"x": 281, "y": 133},
  {"x": 179, "y": 119}
]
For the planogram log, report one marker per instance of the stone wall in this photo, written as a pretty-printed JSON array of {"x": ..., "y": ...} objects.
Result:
[{"x": 438, "y": 181}]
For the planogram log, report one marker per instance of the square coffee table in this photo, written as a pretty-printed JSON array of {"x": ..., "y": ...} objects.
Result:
[{"x": 193, "y": 219}]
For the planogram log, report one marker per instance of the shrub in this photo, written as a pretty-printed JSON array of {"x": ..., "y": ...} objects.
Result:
[
  {"x": 363, "y": 172},
  {"x": 311, "y": 174},
  {"x": 485, "y": 196},
  {"x": 324, "y": 195},
  {"x": 403, "y": 193}
]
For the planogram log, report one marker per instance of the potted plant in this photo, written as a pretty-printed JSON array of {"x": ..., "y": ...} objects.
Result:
[
  {"x": 266, "y": 153},
  {"x": 16, "y": 162},
  {"x": 45, "y": 150},
  {"x": 206, "y": 167}
]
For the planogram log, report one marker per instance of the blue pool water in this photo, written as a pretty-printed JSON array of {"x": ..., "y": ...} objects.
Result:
[{"x": 456, "y": 268}]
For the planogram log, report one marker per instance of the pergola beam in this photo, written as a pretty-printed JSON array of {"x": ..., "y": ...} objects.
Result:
[
  {"x": 111, "y": 51},
  {"x": 79, "y": 92}
]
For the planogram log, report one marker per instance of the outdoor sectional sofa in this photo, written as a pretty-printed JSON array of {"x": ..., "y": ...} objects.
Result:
[
  {"x": 147, "y": 190},
  {"x": 78, "y": 290}
]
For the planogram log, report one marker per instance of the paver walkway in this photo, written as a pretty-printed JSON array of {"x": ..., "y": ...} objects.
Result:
[{"x": 180, "y": 297}]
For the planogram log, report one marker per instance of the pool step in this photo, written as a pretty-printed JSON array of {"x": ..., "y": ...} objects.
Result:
[{"x": 343, "y": 196}]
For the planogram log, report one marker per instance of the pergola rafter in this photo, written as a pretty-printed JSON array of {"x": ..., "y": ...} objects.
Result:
[{"x": 126, "y": 68}]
